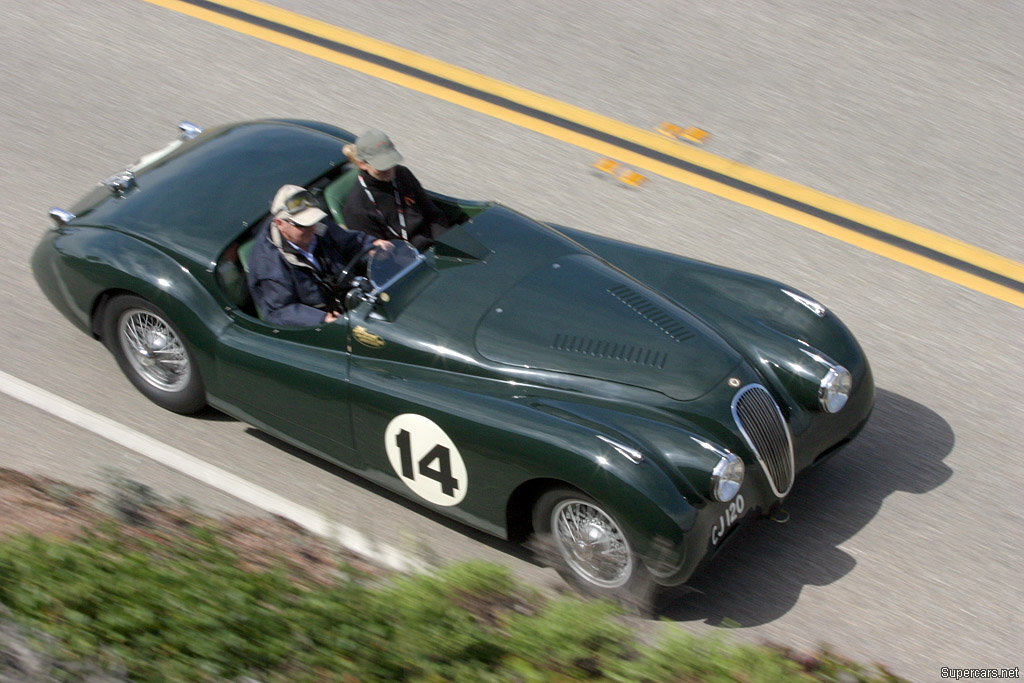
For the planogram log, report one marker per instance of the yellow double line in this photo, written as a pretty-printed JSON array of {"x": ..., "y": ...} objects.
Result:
[{"x": 891, "y": 237}]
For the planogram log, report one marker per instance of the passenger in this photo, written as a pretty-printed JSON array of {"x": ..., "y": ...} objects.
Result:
[
  {"x": 296, "y": 268},
  {"x": 388, "y": 201}
]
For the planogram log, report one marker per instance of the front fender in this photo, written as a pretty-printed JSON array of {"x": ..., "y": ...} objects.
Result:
[
  {"x": 508, "y": 441},
  {"x": 762, "y": 319},
  {"x": 738, "y": 304},
  {"x": 674, "y": 480}
]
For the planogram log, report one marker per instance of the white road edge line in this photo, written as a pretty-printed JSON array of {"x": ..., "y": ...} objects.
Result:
[{"x": 204, "y": 472}]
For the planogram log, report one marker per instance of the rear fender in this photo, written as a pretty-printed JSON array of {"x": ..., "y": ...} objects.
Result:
[
  {"x": 335, "y": 131},
  {"x": 91, "y": 263}
]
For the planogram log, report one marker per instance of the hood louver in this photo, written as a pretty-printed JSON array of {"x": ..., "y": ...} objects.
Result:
[
  {"x": 577, "y": 316},
  {"x": 596, "y": 348},
  {"x": 651, "y": 312}
]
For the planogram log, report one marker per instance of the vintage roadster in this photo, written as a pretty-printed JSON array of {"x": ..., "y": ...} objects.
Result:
[{"x": 633, "y": 406}]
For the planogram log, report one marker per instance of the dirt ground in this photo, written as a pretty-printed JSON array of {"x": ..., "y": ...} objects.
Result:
[{"x": 45, "y": 507}]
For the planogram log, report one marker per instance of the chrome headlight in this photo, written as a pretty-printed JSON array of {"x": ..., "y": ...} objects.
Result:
[
  {"x": 835, "y": 388},
  {"x": 727, "y": 477}
]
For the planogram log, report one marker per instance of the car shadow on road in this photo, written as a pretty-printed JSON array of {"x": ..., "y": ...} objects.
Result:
[
  {"x": 759, "y": 576},
  {"x": 211, "y": 414}
]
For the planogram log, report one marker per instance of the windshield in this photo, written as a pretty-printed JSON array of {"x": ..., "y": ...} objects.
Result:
[{"x": 388, "y": 266}]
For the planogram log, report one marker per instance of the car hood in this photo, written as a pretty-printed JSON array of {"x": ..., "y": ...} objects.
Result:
[{"x": 578, "y": 315}]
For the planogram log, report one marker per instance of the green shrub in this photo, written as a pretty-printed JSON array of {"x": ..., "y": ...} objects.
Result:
[
  {"x": 683, "y": 657},
  {"x": 436, "y": 634},
  {"x": 184, "y": 606},
  {"x": 161, "y": 607},
  {"x": 572, "y": 636}
]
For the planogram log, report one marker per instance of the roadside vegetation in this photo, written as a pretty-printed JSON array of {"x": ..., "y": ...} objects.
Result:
[{"x": 156, "y": 592}]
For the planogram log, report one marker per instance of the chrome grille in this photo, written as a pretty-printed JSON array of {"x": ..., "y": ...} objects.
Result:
[{"x": 762, "y": 425}]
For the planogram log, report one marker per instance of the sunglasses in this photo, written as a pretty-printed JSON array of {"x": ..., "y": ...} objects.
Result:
[{"x": 299, "y": 201}]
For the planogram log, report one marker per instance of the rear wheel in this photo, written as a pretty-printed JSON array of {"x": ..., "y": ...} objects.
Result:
[
  {"x": 152, "y": 354},
  {"x": 589, "y": 548}
]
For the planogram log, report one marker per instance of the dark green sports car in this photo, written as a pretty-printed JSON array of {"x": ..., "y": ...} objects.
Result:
[{"x": 632, "y": 406}]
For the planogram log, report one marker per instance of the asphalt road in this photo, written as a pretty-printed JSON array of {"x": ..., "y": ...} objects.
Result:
[{"x": 905, "y": 550}]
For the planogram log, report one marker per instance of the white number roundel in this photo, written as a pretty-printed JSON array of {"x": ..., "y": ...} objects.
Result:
[{"x": 425, "y": 458}]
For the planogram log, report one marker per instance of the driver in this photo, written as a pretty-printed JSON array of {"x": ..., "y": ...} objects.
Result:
[{"x": 299, "y": 260}]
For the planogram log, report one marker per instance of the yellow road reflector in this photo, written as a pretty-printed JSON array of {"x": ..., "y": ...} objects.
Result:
[
  {"x": 694, "y": 134},
  {"x": 690, "y": 133},
  {"x": 670, "y": 130},
  {"x": 620, "y": 172},
  {"x": 632, "y": 178}
]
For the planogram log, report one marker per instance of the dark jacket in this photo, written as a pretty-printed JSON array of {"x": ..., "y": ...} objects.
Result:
[
  {"x": 285, "y": 286},
  {"x": 380, "y": 218}
]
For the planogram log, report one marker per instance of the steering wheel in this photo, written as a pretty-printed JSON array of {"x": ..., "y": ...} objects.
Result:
[
  {"x": 353, "y": 261},
  {"x": 345, "y": 300}
]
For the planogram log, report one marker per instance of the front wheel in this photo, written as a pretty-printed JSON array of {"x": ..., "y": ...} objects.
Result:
[
  {"x": 589, "y": 547},
  {"x": 152, "y": 354}
]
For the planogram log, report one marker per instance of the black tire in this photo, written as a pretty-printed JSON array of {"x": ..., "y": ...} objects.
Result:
[
  {"x": 152, "y": 354},
  {"x": 602, "y": 561}
]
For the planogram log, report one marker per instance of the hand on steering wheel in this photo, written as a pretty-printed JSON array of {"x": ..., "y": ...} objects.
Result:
[{"x": 385, "y": 245}]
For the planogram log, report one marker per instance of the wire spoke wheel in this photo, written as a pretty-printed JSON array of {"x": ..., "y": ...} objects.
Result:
[
  {"x": 592, "y": 543},
  {"x": 154, "y": 350},
  {"x": 152, "y": 353}
]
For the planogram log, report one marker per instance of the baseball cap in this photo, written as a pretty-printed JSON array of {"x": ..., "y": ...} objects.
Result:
[
  {"x": 376, "y": 149},
  {"x": 296, "y": 204}
]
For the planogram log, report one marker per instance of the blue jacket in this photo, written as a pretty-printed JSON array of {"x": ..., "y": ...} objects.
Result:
[{"x": 286, "y": 287}]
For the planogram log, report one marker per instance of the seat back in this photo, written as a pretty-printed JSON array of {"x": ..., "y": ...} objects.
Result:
[
  {"x": 336, "y": 193},
  {"x": 231, "y": 276},
  {"x": 232, "y": 271},
  {"x": 245, "y": 252}
]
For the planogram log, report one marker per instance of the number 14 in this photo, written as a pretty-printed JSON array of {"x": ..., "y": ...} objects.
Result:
[{"x": 439, "y": 454}]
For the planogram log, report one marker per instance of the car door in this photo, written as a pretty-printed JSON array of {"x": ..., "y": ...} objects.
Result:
[{"x": 292, "y": 382}]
